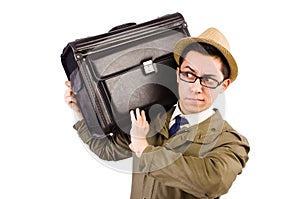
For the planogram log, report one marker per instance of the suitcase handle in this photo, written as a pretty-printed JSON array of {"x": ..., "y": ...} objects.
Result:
[{"x": 125, "y": 25}]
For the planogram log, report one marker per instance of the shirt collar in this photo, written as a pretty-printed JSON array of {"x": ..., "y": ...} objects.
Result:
[{"x": 194, "y": 118}]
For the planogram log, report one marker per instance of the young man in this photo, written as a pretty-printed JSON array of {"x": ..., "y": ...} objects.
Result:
[{"x": 189, "y": 152}]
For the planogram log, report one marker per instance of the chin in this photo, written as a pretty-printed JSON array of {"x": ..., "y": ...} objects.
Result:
[{"x": 193, "y": 109}]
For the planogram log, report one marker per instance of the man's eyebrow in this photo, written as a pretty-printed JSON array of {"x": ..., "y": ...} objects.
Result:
[
  {"x": 209, "y": 75},
  {"x": 204, "y": 75},
  {"x": 190, "y": 68}
]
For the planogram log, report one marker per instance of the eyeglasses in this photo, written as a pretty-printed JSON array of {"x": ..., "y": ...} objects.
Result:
[{"x": 204, "y": 80}]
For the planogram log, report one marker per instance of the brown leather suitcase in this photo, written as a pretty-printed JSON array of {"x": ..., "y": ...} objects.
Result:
[{"x": 130, "y": 66}]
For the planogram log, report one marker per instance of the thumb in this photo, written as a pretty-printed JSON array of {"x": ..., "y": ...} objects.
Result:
[
  {"x": 68, "y": 84},
  {"x": 131, "y": 147}
]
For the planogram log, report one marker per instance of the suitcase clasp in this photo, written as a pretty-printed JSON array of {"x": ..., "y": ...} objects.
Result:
[{"x": 148, "y": 67}]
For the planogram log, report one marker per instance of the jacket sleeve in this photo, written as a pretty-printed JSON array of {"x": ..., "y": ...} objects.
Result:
[
  {"x": 111, "y": 147},
  {"x": 209, "y": 175}
]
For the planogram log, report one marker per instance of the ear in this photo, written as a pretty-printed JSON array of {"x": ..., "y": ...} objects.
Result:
[{"x": 225, "y": 85}]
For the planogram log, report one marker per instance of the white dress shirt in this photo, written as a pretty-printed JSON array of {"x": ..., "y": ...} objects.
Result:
[{"x": 192, "y": 119}]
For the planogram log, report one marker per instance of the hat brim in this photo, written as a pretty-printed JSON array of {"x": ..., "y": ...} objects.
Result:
[{"x": 184, "y": 42}]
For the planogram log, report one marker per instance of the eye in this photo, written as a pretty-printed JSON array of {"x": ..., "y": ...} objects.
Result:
[
  {"x": 206, "y": 80},
  {"x": 188, "y": 75}
]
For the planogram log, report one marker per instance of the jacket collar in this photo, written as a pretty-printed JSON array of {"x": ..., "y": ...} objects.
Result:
[{"x": 205, "y": 131}]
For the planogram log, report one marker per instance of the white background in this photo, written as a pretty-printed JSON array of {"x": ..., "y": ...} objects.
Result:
[{"x": 41, "y": 155}]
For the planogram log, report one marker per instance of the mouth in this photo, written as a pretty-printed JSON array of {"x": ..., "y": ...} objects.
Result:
[{"x": 195, "y": 100}]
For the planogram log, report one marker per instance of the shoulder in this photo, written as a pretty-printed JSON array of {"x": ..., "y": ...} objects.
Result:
[{"x": 231, "y": 134}]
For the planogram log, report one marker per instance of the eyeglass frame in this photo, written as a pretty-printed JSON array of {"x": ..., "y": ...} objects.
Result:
[{"x": 200, "y": 79}]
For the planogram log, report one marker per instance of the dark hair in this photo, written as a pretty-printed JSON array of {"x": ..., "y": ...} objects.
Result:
[{"x": 207, "y": 49}]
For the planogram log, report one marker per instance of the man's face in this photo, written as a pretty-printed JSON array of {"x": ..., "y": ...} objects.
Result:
[{"x": 193, "y": 97}]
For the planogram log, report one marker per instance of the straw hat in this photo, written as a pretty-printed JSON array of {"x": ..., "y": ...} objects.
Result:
[{"x": 215, "y": 38}]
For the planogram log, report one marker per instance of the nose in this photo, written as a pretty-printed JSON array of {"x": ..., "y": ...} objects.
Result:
[{"x": 196, "y": 86}]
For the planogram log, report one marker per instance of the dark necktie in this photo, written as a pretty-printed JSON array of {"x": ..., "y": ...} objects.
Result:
[{"x": 176, "y": 126}]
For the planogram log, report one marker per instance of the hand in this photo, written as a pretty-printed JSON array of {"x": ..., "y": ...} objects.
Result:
[
  {"x": 71, "y": 100},
  {"x": 138, "y": 132}
]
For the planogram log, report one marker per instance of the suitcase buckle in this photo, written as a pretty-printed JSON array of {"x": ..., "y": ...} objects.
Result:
[{"x": 148, "y": 67}]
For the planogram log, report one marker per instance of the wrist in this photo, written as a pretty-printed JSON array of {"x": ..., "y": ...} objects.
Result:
[
  {"x": 78, "y": 116},
  {"x": 139, "y": 145}
]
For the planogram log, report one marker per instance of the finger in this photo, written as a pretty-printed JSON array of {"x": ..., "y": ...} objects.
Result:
[
  {"x": 138, "y": 114},
  {"x": 132, "y": 116},
  {"x": 68, "y": 92},
  {"x": 70, "y": 100},
  {"x": 69, "y": 97},
  {"x": 143, "y": 114},
  {"x": 73, "y": 99},
  {"x": 66, "y": 95}
]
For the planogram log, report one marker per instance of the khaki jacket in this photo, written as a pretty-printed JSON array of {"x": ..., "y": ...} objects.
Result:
[{"x": 201, "y": 161}]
